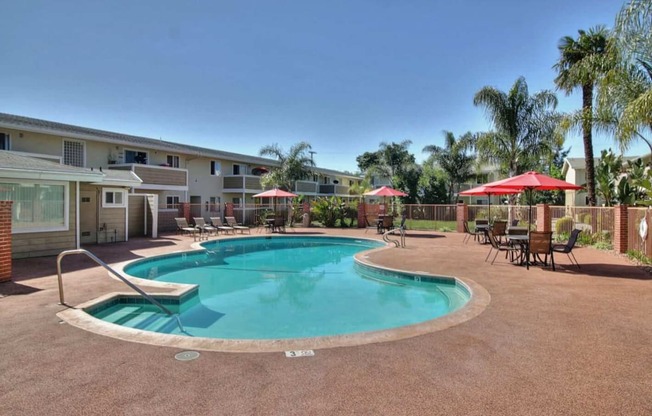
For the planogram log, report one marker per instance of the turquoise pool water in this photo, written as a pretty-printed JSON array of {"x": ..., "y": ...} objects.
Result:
[{"x": 285, "y": 287}]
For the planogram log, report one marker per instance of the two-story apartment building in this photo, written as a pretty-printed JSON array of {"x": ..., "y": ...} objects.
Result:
[{"x": 153, "y": 176}]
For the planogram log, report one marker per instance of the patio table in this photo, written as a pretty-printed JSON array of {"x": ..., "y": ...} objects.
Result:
[{"x": 522, "y": 242}]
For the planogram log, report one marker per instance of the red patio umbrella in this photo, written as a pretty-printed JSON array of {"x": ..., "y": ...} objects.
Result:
[
  {"x": 275, "y": 193},
  {"x": 484, "y": 190},
  {"x": 533, "y": 181},
  {"x": 385, "y": 191}
]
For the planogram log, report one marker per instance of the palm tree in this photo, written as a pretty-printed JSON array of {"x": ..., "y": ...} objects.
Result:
[
  {"x": 293, "y": 165},
  {"x": 523, "y": 127},
  {"x": 453, "y": 160},
  {"x": 581, "y": 64}
]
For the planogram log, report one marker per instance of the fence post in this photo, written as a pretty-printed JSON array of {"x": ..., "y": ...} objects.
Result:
[
  {"x": 544, "y": 219},
  {"x": 5, "y": 241},
  {"x": 362, "y": 215},
  {"x": 621, "y": 223},
  {"x": 462, "y": 214}
]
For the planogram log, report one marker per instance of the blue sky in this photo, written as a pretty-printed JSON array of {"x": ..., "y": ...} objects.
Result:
[{"x": 239, "y": 75}]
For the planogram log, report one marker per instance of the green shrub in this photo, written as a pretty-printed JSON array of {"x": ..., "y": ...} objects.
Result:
[
  {"x": 587, "y": 219},
  {"x": 564, "y": 225},
  {"x": 482, "y": 214},
  {"x": 638, "y": 256}
]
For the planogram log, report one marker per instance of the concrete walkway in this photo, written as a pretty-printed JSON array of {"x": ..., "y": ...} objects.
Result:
[{"x": 570, "y": 342}]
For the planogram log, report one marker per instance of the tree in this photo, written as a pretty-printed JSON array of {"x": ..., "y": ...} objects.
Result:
[
  {"x": 453, "y": 160},
  {"x": 625, "y": 93},
  {"x": 581, "y": 64},
  {"x": 293, "y": 166},
  {"x": 524, "y": 127},
  {"x": 432, "y": 184},
  {"x": 394, "y": 162}
]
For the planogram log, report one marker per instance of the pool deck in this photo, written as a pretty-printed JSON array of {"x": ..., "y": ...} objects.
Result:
[{"x": 569, "y": 342}]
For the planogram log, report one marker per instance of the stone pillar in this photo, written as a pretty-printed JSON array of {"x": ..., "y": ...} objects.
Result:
[
  {"x": 621, "y": 221},
  {"x": 5, "y": 241},
  {"x": 228, "y": 209},
  {"x": 544, "y": 218},
  {"x": 185, "y": 211},
  {"x": 462, "y": 214},
  {"x": 305, "y": 218},
  {"x": 362, "y": 215}
]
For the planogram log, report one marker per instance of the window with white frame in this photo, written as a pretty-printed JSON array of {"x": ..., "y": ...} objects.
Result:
[
  {"x": 173, "y": 161},
  {"x": 214, "y": 203},
  {"x": 114, "y": 198},
  {"x": 135, "y": 156},
  {"x": 74, "y": 152},
  {"x": 172, "y": 201},
  {"x": 237, "y": 201},
  {"x": 5, "y": 143},
  {"x": 216, "y": 168},
  {"x": 37, "y": 207},
  {"x": 237, "y": 169}
]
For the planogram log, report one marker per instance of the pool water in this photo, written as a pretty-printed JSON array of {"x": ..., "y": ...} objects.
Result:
[{"x": 286, "y": 287}]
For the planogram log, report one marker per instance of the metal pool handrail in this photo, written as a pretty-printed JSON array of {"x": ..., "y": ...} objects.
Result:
[
  {"x": 116, "y": 274},
  {"x": 398, "y": 243}
]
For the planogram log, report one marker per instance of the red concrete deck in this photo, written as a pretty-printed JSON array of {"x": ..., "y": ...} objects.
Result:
[{"x": 550, "y": 343}]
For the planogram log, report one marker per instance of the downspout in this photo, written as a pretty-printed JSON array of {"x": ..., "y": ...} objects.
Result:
[
  {"x": 77, "y": 216},
  {"x": 126, "y": 218}
]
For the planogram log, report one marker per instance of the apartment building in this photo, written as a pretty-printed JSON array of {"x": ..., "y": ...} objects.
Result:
[{"x": 129, "y": 185}]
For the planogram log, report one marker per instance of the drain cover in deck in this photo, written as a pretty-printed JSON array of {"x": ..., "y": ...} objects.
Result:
[{"x": 187, "y": 355}]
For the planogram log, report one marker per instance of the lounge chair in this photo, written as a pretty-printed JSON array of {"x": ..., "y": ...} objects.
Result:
[
  {"x": 183, "y": 227},
  {"x": 200, "y": 223},
  {"x": 568, "y": 247},
  {"x": 231, "y": 222},
  {"x": 217, "y": 223},
  {"x": 540, "y": 244},
  {"x": 498, "y": 247}
]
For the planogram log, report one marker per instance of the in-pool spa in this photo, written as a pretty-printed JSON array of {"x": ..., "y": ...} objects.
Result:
[{"x": 283, "y": 287}]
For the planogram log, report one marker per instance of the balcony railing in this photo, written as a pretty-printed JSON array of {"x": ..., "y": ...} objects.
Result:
[
  {"x": 156, "y": 176},
  {"x": 306, "y": 187},
  {"x": 333, "y": 189},
  {"x": 242, "y": 183}
]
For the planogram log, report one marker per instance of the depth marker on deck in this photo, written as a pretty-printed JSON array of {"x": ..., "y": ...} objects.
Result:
[{"x": 299, "y": 353}]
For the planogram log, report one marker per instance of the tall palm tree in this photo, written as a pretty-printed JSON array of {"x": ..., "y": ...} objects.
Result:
[
  {"x": 523, "y": 127},
  {"x": 453, "y": 159},
  {"x": 581, "y": 63},
  {"x": 293, "y": 166}
]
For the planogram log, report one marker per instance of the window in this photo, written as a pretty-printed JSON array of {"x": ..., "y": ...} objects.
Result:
[
  {"x": 73, "y": 153},
  {"x": 38, "y": 207},
  {"x": 172, "y": 201},
  {"x": 5, "y": 144},
  {"x": 236, "y": 169},
  {"x": 237, "y": 201},
  {"x": 325, "y": 180},
  {"x": 214, "y": 204},
  {"x": 216, "y": 168},
  {"x": 173, "y": 161},
  {"x": 113, "y": 198},
  {"x": 134, "y": 156}
]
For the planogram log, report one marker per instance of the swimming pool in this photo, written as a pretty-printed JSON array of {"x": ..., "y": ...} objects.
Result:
[{"x": 282, "y": 288}]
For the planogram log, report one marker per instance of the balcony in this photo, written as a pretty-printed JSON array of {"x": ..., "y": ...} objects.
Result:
[
  {"x": 332, "y": 189},
  {"x": 306, "y": 187},
  {"x": 157, "y": 177},
  {"x": 242, "y": 183}
]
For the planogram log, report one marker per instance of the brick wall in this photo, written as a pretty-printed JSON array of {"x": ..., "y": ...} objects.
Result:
[
  {"x": 462, "y": 212},
  {"x": 544, "y": 218},
  {"x": 620, "y": 228},
  {"x": 5, "y": 240},
  {"x": 362, "y": 215}
]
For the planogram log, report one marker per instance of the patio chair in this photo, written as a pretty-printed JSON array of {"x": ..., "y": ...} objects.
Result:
[
  {"x": 371, "y": 222},
  {"x": 568, "y": 247},
  {"x": 183, "y": 227},
  {"x": 468, "y": 233},
  {"x": 498, "y": 247},
  {"x": 499, "y": 230},
  {"x": 540, "y": 244},
  {"x": 217, "y": 223},
  {"x": 200, "y": 223},
  {"x": 231, "y": 222},
  {"x": 279, "y": 224},
  {"x": 386, "y": 224}
]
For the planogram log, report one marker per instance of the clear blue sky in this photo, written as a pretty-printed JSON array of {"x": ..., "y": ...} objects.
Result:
[{"x": 343, "y": 75}]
